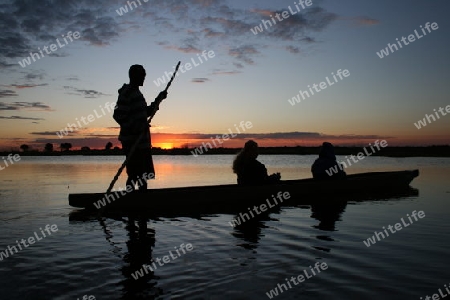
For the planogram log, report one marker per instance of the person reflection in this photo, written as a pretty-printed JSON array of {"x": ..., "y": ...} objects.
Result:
[
  {"x": 327, "y": 214},
  {"x": 139, "y": 280},
  {"x": 248, "y": 227}
]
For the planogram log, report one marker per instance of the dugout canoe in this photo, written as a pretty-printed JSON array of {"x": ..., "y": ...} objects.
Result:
[{"x": 302, "y": 191}]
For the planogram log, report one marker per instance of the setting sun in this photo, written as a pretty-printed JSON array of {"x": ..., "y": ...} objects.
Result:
[{"x": 164, "y": 145}]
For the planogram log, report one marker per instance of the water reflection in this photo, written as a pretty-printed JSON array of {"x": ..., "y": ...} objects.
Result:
[
  {"x": 140, "y": 243},
  {"x": 141, "y": 240},
  {"x": 328, "y": 214},
  {"x": 249, "y": 230}
]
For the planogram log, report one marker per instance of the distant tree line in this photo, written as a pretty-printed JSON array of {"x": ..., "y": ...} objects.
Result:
[{"x": 49, "y": 147}]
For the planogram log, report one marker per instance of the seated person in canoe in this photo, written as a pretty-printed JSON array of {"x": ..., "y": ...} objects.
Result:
[
  {"x": 326, "y": 166},
  {"x": 249, "y": 170}
]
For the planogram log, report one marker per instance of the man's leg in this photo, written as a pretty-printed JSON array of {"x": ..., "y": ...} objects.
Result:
[
  {"x": 141, "y": 181},
  {"x": 142, "y": 185},
  {"x": 132, "y": 165}
]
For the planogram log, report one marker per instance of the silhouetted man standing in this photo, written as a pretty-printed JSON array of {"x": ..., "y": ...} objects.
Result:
[{"x": 131, "y": 113}]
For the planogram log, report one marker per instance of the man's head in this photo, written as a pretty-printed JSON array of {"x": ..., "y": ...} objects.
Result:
[
  {"x": 327, "y": 151},
  {"x": 251, "y": 149},
  {"x": 137, "y": 75}
]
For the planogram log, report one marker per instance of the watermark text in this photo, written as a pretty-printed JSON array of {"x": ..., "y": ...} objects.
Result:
[
  {"x": 391, "y": 48},
  {"x": 165, "y": 260},
  {"x": 71, "y": 127},
  {"x": 319, "y": 87},
  {"x": 263, "y": 207},
  {"x": 201, "y": 58},
  {"x": 360, "y": 156},
  {"x": 281, "y": 16},
  {"x": 11, "y": 159},
  {"x": 53, "y": 47},
  {"x": 31, "y": 240},
  {"x": 318, "y": 267},
  {"x": 220, "y": 139},
  {"x": 431, "y": 118},
  {"x": 398, "y": 226}
]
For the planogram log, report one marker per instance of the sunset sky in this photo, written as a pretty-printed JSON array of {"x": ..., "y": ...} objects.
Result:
[{"x": 250, "y": 77}]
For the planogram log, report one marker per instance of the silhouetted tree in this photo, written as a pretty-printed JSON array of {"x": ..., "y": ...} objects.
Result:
[
  {"x": 24, "y": 147},
  {"x": 48, "y": 147},
  {"x": 65, "y": 146},
  {"x": 85, "y": 148},
  {"x": 108, "y": 146}
]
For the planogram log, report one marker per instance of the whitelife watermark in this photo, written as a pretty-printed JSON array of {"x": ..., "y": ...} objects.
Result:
[
  {"x": 86, "y": 120},
  {"x": 220, "y": 139},
  {"x": 124, "y": 9},
  {"x": 53, "y": 47},
  {"x": 263, "y": 207},
  {"x": 86, "y": 297},
  {"x": 398, "y": 226},
  {"x": 31, "y": 240},
  {"x": 11, "y": 158},
  {"x": 438, "y": 296},
  {"x": 281, "y": 17},
  {"x": 319, "y": 87},
  {"x": 300, "y": 278},
  {"x": 411, "y": 38},
  {"x": 185, "y": 67},
  {"x": 430, "y": 118},
  {"x": 360, "y": 156},
  {"x": 166, "y": 259},
  {"x": 114, "y": 195}
]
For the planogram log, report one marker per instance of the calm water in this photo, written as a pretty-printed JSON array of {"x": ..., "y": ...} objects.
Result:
[{"x": 86, "y": 256}]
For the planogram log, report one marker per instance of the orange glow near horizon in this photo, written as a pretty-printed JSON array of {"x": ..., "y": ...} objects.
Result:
[
  {"x": 170, "y": 141},
  {"x": 163, "y": 145}
]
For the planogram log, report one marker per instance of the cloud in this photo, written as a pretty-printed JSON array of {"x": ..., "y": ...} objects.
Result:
[
  {"x": 5, "y": 65},
  {"x": 199, "y": 80},
  {"x": 84, "y": 92},
  {"x": 35, "y": 106},
  {"x": 72, "y": 78},
  {"x": 7, "y": 93},
  {"x": 210, "y": 33},
  {"x": 50, "y": 133},
  {"x": 28, "y": 25},
  {"x": 184, "y": 49},
  {"x": 263, "y": 12},
  {"x": 98, "y": 137},
  {"x": 30, "y": 77},
  {"x": 34, "y": 74},
  {"x": 278, "y": 135},
  {"x": 296, "y": 26},
  {"x": 85, "y": 132},
  {"x": 28, "y": 85},
  {"x": 365, "y": 21},
  {"x": 244, "y": 53},
  {"x": 211, "y": 24},
  {"x": 293, "y": 49},
  {"x": 224, "y": 72},
  {"x": 20, "y": 118}
]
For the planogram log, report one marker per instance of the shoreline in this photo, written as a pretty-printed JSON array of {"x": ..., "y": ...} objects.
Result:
[{"x": 394, "y": 151}]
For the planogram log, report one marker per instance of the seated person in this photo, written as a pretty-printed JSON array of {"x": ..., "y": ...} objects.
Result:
[
  {"x": 326, "y": 166},
  {"x": 250, "y": 171}
]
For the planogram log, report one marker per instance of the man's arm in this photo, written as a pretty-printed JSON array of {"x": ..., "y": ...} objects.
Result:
[
  {"x": 121, "y": 112},
  {"x": 154, "y": 106}
]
